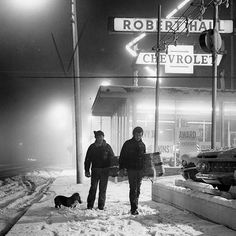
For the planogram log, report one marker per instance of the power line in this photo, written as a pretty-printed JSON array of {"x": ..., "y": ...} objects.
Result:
[{"x": 189, "y": 13}]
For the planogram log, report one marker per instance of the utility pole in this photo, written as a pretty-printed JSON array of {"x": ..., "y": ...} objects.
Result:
[
  {"x": 156, "y": 131},
  {"x": 214, "y": 71},
  {"x": 232, "y": 48},
  {"x": 77, "y": 99}
]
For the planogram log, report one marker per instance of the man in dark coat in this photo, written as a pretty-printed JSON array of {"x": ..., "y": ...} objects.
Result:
[
  {"x": 132, "y": 159},
  {"x": 98, "y": 157}
]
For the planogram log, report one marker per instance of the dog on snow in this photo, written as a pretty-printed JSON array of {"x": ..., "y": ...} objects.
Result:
[{"x": 67, "y": 201}]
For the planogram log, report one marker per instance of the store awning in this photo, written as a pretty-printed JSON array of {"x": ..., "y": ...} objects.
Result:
[{"x": 109, "y": 98}]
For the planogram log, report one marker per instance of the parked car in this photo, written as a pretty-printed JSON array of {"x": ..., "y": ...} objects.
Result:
[
  {"x": 189, "y": 169},
  {"x": 217, "y": 168}
]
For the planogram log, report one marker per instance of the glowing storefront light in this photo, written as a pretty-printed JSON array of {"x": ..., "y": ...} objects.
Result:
[
  {"x": 199, "y": 122},
  {"x": 145, "y": 107},
  {"x": 161, "y": 121},
  {"x": 184, "y": 108},
  {"x": 152, "y": 73},
  {"x": 230, "y": 108},
  {"x": 90, "y": 117},
  {"x": 203, "y": 109},
  {"x": 106, "y": 83}
]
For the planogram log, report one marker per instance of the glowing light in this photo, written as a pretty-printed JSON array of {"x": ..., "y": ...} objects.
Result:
[
  {"x": 185, "y": 108},
  {"x": 171, "y": 14},
  {"x": 131, "y": 51},
  {"x": 90, "y": 117},
  {"x": 132, "y": 43},
  {"x": 199, "y": 122},
  {"x": 152, "y": 73},
  {"x": 230, "y": 108},
  {"x": 28, "y": 4},
  {"x": 105, "y": 83},
  {"x": 58, "y": 116},
  {"x": 167, "y": 121},
  {"x": 145, "y": 107},
  {"x": 195, "y": 108},
  {"x": 181, "y": 5}
]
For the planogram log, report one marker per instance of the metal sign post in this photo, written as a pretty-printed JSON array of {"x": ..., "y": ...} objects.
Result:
[{"x": 156, "y": 131}]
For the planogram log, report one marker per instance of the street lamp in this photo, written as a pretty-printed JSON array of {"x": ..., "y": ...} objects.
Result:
[
  {"x": 28, "y": 4},
  {"x": 57, "y": 116}
]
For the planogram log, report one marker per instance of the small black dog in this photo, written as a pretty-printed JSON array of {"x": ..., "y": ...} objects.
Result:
[{"x": 67, "y": 201}]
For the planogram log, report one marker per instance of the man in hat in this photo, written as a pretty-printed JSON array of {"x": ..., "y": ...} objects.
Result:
[
  {"x": 132, "y": 159},
  {"x": 98, "y": 157}
]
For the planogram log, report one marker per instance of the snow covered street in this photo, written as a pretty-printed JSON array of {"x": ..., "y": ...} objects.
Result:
[{"x": 154, "y": 218}]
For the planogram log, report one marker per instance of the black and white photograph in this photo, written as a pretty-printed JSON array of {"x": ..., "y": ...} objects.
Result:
[{"x": 117, "y": 118}]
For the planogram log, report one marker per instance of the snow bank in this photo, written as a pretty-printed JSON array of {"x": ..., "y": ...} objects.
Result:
[
  {"x": 169, "y": 183},
  {"x": 19, "y": 192},
  {"x": 155, "y": 219}
]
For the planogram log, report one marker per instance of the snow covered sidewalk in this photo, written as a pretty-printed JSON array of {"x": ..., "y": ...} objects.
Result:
[{"x": 154, "y": 218}]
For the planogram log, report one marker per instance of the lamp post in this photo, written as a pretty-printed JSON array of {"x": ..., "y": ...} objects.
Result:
[{"x": 77, "y": 100}]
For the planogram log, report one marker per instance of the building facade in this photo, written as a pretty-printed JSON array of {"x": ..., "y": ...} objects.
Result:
[{"x": 184, "y": 118}]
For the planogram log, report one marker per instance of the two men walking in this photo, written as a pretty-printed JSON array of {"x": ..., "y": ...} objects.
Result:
[{"x": 131, "y": 160}]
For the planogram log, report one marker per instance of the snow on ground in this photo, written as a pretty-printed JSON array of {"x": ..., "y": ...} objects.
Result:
[
  {"x": 154, "y": 219},
  {"x": 19, "y": 192}
]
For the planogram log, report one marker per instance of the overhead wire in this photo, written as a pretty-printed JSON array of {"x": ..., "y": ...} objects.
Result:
[
  {"x": 171, "y": 29},
  {"x": 188, "y": 14}
]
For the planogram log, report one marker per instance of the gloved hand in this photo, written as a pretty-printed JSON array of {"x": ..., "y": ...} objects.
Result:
[{"x": 87, "y": 174}]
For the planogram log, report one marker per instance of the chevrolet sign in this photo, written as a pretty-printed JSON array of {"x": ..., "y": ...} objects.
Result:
[{"x": 180, "y": 59}]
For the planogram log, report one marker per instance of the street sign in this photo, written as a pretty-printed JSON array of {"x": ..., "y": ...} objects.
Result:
[
  {"x": 167, "y": 25},
  {"x": 180, "y": 59}
]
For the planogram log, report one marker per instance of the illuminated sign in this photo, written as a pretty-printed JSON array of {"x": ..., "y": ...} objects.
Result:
[
  {"x": 167, "y": 25},
  {"x": 180, "y": 59}
]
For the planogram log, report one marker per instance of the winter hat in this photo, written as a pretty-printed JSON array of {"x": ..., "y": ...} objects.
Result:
[
  {"x": 98, "y": 133},
  {"x": 137, "y": 129}
]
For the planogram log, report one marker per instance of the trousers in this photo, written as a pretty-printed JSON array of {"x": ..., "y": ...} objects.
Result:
[
  {"x": 98, "y": 176},
  {"x": 135, "y": 180}
]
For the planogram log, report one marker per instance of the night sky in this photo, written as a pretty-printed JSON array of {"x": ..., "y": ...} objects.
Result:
[{"x": 30, "y": 68}]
